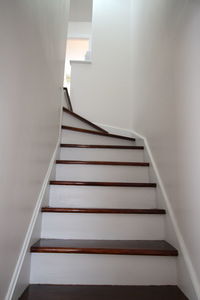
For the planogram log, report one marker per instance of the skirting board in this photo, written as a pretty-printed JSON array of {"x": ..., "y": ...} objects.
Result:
[{"x": 195, "y": 291}]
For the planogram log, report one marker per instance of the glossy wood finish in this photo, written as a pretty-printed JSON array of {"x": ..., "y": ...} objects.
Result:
[
  {"x": 99, "y": 292},
  {"x": 121, "y": 247},
  {"x": 105, "y": 163},
  {"x": 98, "y": 133},
  {"x": 98, "y": 183},
  {"x": 102, "y": 146},
  {"x": 67, "y": 97},
  {"x": 83, "y": 119},
  {"x": 103, "y": 210}
]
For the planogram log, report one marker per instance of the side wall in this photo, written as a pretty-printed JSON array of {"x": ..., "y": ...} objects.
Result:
[
  {"x": 165, "y": 109},
  {"x": 33, "y": 35}
]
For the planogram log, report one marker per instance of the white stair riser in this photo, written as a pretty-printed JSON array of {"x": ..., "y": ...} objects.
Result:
[
  {"x": 102, "y": 173},
  {"x": 102, "y": 154},
  {"x": 73, "y": 137},
  {"x": 69, "y": 120},
  {"x": 102, "y": 226},
  {"x": 105, "y": 197},
  {"x": 102, "y": 269}
]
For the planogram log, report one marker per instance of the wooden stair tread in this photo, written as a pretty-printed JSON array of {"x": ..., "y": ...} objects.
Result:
[
  {"x": 83, "y": 119},
  {"x": 126, "y": 247},
  {"x": 103, "y": 210},
  {"x": 97, "y": 292},
  {"x": 99, "y": 183},
  {"x": 98, "y": 133},
  {"x": 101, "y": 146},
  {"x": 106, "y": 163}
]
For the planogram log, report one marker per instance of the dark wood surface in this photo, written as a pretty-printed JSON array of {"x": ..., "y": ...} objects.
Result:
[
  {"x": 97, "y": 133},
  {"x": 67, "y": 97},
  {"x": 99, "y": 292},
  {"x": 106, "y": 163},
  {"x": 87, "y": 292},
  {"x": 99, "y": 183},
  {"x": 102, "y": 146},
  {"x": 83, "y": 119},
  {"x": 104, "y": 210},
  {"x": 121, "y": 247}
]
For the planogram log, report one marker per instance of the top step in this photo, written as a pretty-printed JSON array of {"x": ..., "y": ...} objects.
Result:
[
  {"x": 97, "y": 133},
  {"x": 80, "y": 118}
]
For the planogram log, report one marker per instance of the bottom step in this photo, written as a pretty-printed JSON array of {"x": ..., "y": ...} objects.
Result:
[{"x": 60, "y": 292}]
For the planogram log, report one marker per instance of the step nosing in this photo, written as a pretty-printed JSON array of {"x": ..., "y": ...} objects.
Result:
[
  {"x": 99, "y": 183},
  {"x": 93, "y": 146},
  {"x": 135, "y": 247},
  {"x": 106, "y": 163},
  {"x": 107, "y": 251},
  {"x": 102, "y": 210}
]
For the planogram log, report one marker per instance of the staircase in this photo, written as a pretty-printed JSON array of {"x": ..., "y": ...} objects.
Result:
[{"x": 102, "y": 235}]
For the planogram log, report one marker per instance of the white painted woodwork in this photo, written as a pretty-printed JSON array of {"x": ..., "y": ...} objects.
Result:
[
  {"x": 102, "y": 173},
  {"x": 102, "y": 226},
  {"x": 102, "y": 154},
  {"x": 108, "y": 197},
  {"x": 69, "y": 120},
  {"x": 73, "y": 137},
  {"x": 102, "y": 269}
]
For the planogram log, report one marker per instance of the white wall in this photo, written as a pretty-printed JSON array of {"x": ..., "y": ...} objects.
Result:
[
  {"x": 81, "y": 11},
  {"x": 165, "y": 109},
  {"x": 79, "y": 30},
  {"x": 100, "y": 90},
  {"x": 186, "y": 203},
  {"x": 32, "y": 52}
]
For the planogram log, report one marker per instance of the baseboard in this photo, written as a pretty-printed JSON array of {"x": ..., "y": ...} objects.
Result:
[{"x": 182, "y": 246}]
